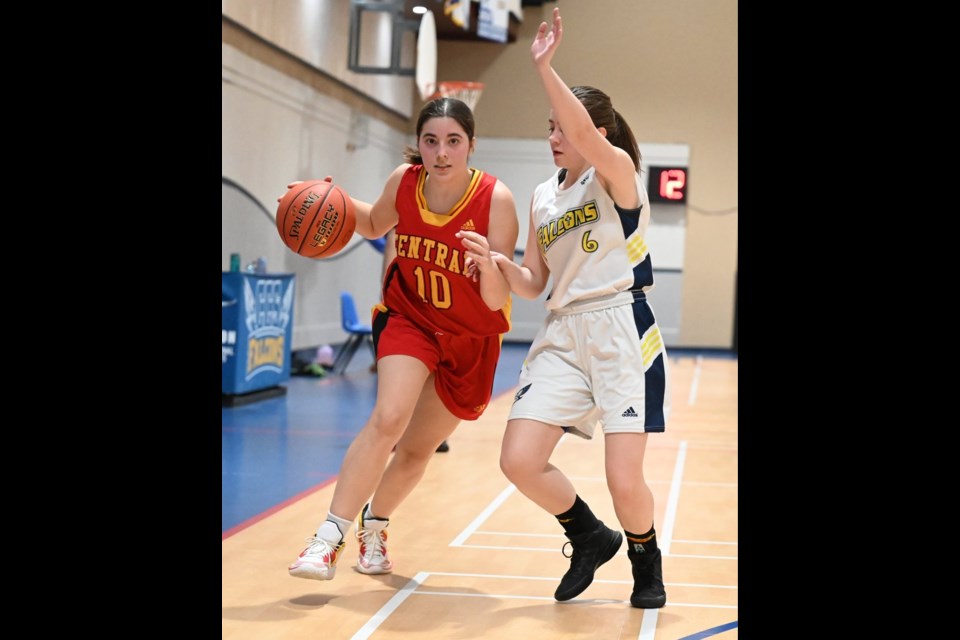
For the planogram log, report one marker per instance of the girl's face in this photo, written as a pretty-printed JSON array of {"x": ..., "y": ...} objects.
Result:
[
  {"x": 564, "y": 155},
  {"x": 444, "y": 146}
]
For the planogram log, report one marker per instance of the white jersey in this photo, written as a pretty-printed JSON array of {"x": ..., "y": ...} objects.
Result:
[{"x": 593, "y": 248}]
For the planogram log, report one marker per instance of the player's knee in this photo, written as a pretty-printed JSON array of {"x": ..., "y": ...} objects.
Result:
[
  {"x": 627, "y": 489},
  {"x": 414, "y": 456},
  {"x": 387, "y": 424},
  {"x": 514, "y": 466}
]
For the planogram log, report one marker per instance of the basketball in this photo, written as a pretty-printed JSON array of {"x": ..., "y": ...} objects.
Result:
[{"x": 316, "y": 219}]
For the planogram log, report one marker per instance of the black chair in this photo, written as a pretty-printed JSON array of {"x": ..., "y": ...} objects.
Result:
[{"x": 357, "y": 333}]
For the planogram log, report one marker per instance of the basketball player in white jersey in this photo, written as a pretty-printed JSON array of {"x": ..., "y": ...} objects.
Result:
[{"x": 599, "y": 355}]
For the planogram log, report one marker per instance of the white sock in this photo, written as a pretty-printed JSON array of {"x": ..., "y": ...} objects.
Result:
[{"x": 334, "y": 529}]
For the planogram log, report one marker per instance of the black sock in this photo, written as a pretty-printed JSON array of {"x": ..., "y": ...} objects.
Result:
[
  {"x": 639, "y": 545},
  {"x": 579, "y": 518}
]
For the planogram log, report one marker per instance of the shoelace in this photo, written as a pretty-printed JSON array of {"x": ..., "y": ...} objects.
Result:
[
  {"x": 318, "y": 547},
  {"x": 372, "y": 541}
]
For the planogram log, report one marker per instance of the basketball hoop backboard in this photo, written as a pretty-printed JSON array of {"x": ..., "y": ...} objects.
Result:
[{"x": 426, "y": 74}]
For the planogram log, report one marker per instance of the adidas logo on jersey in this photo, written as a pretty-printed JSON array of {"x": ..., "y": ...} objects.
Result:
[
  {"x": 468, "y": 226},
  {"x": 629, "y": 413}
]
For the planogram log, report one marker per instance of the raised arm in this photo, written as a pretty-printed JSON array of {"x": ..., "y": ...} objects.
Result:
[{"x": 612, "y": 163}]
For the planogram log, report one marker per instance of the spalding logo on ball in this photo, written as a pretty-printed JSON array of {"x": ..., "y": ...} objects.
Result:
[{"x": 316, "y": 219}]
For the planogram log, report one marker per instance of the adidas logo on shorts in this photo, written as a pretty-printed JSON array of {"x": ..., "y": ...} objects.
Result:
[{"x": 629, "y": 413}]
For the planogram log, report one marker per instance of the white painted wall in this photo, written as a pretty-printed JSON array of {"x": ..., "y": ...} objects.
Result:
[
  {"x": 317, "y": 32},
  {"x": 275, "y": 130}
]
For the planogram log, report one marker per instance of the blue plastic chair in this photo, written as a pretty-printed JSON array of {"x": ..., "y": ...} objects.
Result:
[{"x": 357, "y": 333}]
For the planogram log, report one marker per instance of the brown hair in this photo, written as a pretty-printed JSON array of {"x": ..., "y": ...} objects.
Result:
[
  {"x": 600, "y": 108},
  {"x": 441, "y": 108}
]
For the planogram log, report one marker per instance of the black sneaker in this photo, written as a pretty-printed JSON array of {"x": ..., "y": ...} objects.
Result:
[
  {"x": 648, "y": 591},
  {"x": 590, "y": 550}
]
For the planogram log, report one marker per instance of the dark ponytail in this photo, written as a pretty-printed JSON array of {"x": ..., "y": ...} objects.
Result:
[
  {"x": 602, "y": 113},
  {"x": 623, "y": 138}
]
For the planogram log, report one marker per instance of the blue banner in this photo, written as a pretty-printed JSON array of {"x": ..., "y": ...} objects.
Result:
[{"x": 257, "y": 331}]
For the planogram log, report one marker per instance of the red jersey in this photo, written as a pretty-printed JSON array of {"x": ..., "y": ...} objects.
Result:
[{"x": 426, "y": 281}]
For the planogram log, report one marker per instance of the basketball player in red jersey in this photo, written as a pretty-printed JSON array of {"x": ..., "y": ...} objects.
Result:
[{"x": 437, "y": 330}]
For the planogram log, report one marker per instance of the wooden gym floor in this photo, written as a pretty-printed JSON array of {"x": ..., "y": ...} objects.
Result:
[{"x": 472, "y": 557}]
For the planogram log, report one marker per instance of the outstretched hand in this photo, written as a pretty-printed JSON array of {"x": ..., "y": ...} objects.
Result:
[
  {"x": 547, "y": 40},
  {"x": 291, "y": 185}
]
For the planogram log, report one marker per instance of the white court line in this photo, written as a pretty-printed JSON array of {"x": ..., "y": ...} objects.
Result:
[
  {"x": 701, "y": 586},
  {"x": 410, "y": 589},
  {"x": 697, "y": 483},
  {"x": 391, "y": 606},
  {"x": 480, "y": 519},
  {"x": 495, "y": 576},
  {"x": 491, "y": 547},
  {"x": 498, "y": 576},
  {"x": 696, "y": 379},
  {"x": 673, "y": 498},
  {"x": 560, "y": 535},
  {"x": 648, "y": 628},
  {"x": 519, "y": 535},
  {"x": 689, "y": 483},
  {"x": 510, "y": 548},
  {"x": 457, "y": 594}
]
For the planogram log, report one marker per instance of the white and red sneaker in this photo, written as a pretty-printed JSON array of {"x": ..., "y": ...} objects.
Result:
[
  {"x": 372, "y": 536},
  {"x": 318, "y": 561}
]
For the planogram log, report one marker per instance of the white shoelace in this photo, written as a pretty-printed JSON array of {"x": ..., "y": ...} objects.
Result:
[
  {"x": 373, "y": 543},
  {"x": 318, "y": 547}
]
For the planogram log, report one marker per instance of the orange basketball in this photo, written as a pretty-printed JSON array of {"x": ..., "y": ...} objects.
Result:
[{"x": 316, "y": 219}]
